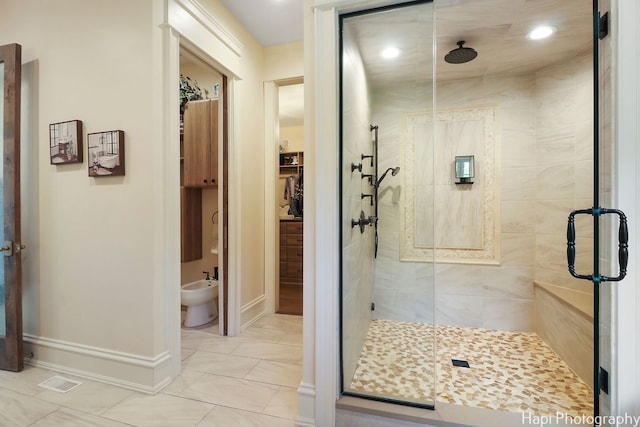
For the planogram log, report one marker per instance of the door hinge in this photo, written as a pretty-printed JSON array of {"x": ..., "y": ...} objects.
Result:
[
  {"x": 603, "y": 26},
  {"x": 7, "y": 249},
  {"x": 604, "y": 380}
]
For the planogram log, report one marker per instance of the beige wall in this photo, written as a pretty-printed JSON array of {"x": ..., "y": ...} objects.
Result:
[
  {"x": 294, "y": 135},
  {"x": 92, "y": 254},
  {"x": 250, "y": 146},
  {"x": 283, "y": 61},
  {"x": 95, "y": 270}
]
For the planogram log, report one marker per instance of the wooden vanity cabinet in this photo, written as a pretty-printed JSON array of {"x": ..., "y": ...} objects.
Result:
[
  {"x": 201, "y": 144},
  {"x": 291, "y": 250}
]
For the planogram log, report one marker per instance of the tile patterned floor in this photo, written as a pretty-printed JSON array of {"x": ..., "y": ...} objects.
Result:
[
  {"x": 248, "y": 380},
  {"x": 509, "y": 371}
]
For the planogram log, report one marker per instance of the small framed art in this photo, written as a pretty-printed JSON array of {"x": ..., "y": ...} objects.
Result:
[
  {"x": 65, "y": 142},
  {"x": 106, "y": 153}
]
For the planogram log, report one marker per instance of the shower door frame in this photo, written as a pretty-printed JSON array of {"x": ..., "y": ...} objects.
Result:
[
  {"x": 320, "y": 389},
  {"x": 373, "y": 128}
]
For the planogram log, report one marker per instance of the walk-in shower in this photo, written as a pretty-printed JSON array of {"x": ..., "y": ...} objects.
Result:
[{"x": 460, "y": 293}]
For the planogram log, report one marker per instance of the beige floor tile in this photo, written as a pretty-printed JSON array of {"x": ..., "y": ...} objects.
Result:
[
  {"x": 221, "y": 416},
  {"x": 292, "y": 338},
  {"x": 186, "y": 352},
  {"x": 284, "y": 322},
  {"x": 218, "y": 344},
  {"x": 220, "y": 364},
  {"x": 263, "y": 334},
  {"x": 270, "y": 351},
  {"x": 25, "y": 382},
  {"x": 284, "y": 404},
  {"x": 285, "y": 374},
  {"x": 226, "y": 391},
  {"x": 194, "y": 340},
  {"x": 68, "y": 417},
  {"x": 90, "y": 396},
  {"x": 18, "y": 410},
  {"x": 159, "y": 410}
]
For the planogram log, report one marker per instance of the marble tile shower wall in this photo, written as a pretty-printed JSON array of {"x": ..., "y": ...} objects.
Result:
[
  {"x": 564, "y": 169},
  {"x": 357, "y": 248},
  {"x": 544, "y": 131}
]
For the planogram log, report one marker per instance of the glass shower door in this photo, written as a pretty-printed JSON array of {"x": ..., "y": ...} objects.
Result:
[{"x": 386, "y": 194}]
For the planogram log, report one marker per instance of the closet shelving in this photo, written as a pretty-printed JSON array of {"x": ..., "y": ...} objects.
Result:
[{"x": 291, "y": 163}]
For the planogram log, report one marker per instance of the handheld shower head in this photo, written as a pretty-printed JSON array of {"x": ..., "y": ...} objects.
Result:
[{"x": 394, "y": 172}]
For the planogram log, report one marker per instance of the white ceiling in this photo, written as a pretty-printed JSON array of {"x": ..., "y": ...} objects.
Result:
[
  {"x": 270, "y": 22},
  {"x": 496, "y": 29}
]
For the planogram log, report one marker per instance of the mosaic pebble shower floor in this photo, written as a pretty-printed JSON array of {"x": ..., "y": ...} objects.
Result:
[{"x": 509, "y": 371}]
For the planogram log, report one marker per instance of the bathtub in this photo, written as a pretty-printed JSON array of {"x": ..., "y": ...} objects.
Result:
[{"x": 109, "y": 161}]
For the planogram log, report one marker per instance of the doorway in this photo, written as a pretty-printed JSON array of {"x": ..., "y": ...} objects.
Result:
[
  {"x": 204, "y": 205},
  {"x": 290, "y": 198}
]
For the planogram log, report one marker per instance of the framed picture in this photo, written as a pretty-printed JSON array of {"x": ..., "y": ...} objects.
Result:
[
  {"x": 106, "y": 153},
  {"x": 65, "y": 142}
]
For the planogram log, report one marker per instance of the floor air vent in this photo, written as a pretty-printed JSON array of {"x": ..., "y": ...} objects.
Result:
[
  {"x": 460, "y": 363},
  {"x": 59, "y": 384}
]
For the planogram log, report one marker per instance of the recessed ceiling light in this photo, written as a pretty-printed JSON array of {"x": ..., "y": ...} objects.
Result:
[
  {"x": 541, "y": 32},
  {"x": 390, "y": 53}
]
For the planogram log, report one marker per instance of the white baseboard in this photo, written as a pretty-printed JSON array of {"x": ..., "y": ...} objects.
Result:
[
  {"x": 306, "y": 406},
  {"x": 121, "y": 369},
  {"x": 252, "y": 311}
]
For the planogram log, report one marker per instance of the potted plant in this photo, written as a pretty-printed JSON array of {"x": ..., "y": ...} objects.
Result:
[{"x": 189, "y": 91}]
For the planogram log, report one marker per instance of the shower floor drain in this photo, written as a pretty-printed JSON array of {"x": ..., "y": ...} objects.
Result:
[
  {"x": 460, "y": 363},
  {"x": 59, "y": 384}
]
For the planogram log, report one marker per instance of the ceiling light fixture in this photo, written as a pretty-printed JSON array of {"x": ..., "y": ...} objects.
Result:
[
  {"x": 390, "y": 53},
  {"x": 541, "y": 32}
]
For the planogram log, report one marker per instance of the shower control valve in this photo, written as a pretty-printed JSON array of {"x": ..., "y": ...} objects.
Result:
[
  {"x": 362, "y": 222},
  {"x": 364, "y": 175},
  {"x": 370, "y": 196}
]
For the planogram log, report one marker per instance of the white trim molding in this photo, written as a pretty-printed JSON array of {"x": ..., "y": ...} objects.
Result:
[
  {"x": 121, "y": 369},
  {"x": 203, "y": 31},
  {"x": 625, "y": 384},
  {"x": 326, "y": 216},
  {"x": 252, "y": 311},
  {"x": 209, "y": 22}
]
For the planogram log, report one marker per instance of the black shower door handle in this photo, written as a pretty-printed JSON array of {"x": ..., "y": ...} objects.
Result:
[{"x": 623, "y": 244}]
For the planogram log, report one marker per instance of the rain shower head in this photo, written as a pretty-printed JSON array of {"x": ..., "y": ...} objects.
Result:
[
  {"x": 394, "y": 172},
  {"x": 461, "y": 54}
]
